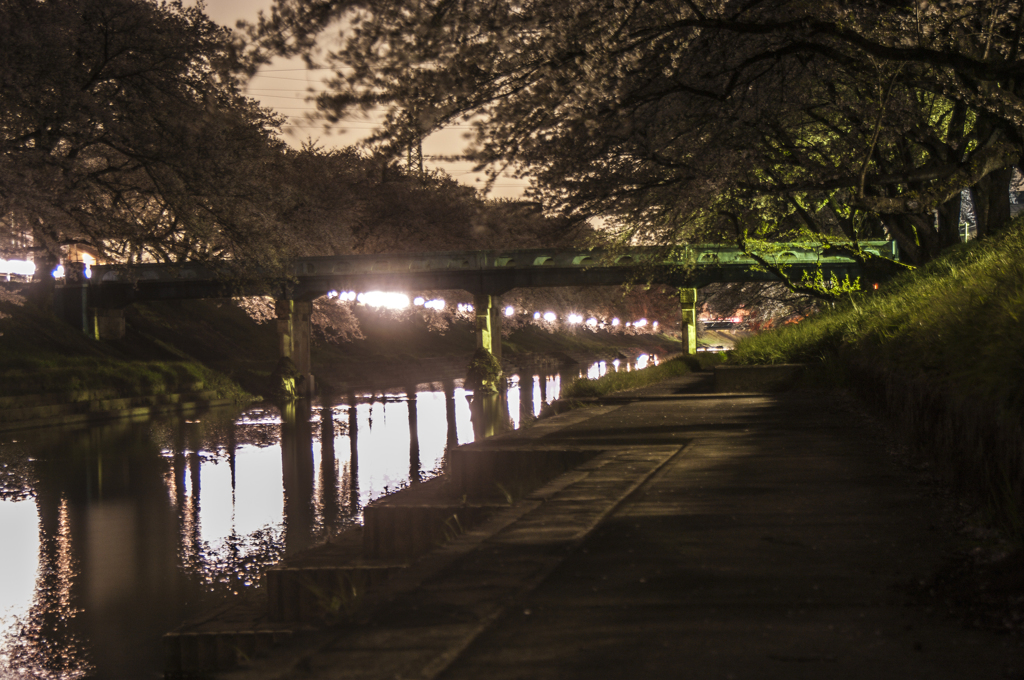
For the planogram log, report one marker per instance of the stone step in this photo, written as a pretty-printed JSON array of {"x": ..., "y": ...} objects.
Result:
[
  {"x": 490, "y": 471},
  {"x": 190, "y": 654},
  {"x": 406, "y": 531},
  {"x": 321, "y": 594}
]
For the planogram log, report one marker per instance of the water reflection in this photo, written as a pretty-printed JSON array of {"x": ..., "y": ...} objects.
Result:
[
  {"x": 114, "y": 535},
  {"x": 489, "y": 413}
]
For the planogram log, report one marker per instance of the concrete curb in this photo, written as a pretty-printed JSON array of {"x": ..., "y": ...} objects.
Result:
[{"x": 758, "y": 379}]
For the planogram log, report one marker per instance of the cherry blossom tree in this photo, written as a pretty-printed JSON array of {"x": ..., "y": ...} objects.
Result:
[
  {"x": 123, "y": 131},
  {"x": 686, "y": 120}
]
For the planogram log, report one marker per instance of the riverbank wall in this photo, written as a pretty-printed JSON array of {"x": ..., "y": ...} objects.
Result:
[
  {"x": 83, "y": 407},
  {"x": 975, "y": 445}
]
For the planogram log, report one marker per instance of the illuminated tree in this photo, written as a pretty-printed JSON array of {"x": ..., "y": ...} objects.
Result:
[{"x": 683, "y": 120}]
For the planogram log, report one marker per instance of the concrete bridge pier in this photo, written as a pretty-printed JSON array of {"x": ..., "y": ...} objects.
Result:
[
  {"x": 688, "y": 330},
  {"x": 106, "y": 324},
  {"x": 488, "y": 323},
  {"x": 293, "y": 332}
]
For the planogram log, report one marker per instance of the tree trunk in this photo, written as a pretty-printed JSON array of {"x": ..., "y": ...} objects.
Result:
[
  {"x": 992, "y": 201},
  {"x": 949, "y": 222},
  {"x": 40, "y": 293},
  {"x": 904, "y": 237}
]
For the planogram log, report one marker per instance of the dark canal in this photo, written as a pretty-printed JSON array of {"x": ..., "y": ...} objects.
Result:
[{"x": 111, "y": 536}]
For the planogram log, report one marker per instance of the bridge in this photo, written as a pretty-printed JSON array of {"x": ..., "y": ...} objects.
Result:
[{"x": 97, "y": 305}]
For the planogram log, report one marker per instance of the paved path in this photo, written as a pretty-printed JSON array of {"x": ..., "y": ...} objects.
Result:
[{"x": 717, "y": 536}]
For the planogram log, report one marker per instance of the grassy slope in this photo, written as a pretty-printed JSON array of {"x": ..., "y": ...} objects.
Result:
[
  {"x": 38, "y": 353},
  {"x": 941, "y": 350},
  {"x": 958, "y": 320}
]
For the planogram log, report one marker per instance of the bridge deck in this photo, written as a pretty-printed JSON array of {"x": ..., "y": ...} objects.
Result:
[{"x": 479, "y": 272}]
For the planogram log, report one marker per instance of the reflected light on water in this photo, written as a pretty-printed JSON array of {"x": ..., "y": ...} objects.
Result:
[
  {"x": 515, "y": 401},
  {"x": 19, "y": 534},
  {"x": 111, "y": 544},
  {"x": 35, "y": 639}
]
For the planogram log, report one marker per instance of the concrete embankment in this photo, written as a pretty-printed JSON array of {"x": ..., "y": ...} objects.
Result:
[
  {"x": 709, "y": 535},
  {"x": 90, "y": 406}
]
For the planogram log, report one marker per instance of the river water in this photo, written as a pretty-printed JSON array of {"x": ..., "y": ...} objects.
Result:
[{"x": 113, "y": 535}]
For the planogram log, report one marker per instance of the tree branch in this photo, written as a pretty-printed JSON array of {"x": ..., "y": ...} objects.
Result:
[{"x": 988, "y": 160}]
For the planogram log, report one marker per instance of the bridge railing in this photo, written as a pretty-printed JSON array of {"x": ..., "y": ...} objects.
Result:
[{"x": 496, "y": 260}]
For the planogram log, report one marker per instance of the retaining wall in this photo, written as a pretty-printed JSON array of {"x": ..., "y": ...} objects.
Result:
[
  {"x": 977, "y": 446},
  {"x": 86, "y": 406}
]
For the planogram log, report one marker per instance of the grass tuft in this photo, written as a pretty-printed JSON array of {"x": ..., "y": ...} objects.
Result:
[
  {"x": 959, "y": 320},
  {"x": 629, "y": 380}
]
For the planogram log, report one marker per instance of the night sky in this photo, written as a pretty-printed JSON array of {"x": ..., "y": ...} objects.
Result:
[{"x": 285, "y": 84}]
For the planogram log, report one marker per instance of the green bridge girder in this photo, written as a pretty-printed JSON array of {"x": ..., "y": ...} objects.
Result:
[
  {"x": 95, "y": 305},
  {"x": 489, "y": 272}
]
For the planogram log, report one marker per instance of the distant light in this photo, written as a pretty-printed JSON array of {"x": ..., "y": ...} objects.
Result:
[
  {"x": 550, "y": 316},
  {"x": 377, "y": 298},
  {"x": 418, "y": 301},
  {"x": 465, "y": 307},
  {"x": 615, "y": 322},
  {"x": 654, "y": 324},
  {"x": 641, "y": 323},
  {"x": 437, "y": 304},
  {"x": 331, "y": 294},
  {"x": 58, "y": 273},
  {"x": 641, "y": 361},
  {"x": 88, "y": 271},
  {"x": 510, "y": 310},
  {"x": 17, "y": 267},
  {"x": 575, "y": 318},
  {"x": 592, "y": 322},
  {"x": 536, "y": 315},
  {"x": 628, "y": 324}
]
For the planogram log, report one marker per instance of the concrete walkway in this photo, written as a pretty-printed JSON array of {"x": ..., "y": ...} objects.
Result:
[{"x": 715, "y": 536}]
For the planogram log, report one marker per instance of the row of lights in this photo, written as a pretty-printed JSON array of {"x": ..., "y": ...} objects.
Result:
[
  {"x": 593, "y": 322},
  {"x": 371, "y": 299},
  {"x": 9, "y": 268},
  {"x": 401, "y": 301}
]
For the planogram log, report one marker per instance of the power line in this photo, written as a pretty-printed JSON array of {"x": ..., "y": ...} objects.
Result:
[
  {"x": 293, "y": 80},
  {"x": 307, "y": 68},
  {"x": 362, "y": 121},
  {"x": 281, "y": 70}
]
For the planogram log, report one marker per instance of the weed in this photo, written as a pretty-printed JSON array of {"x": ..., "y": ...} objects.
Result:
[
  {"x": 623, "y": 380},
  {"x": 453, "y": 528},
  {"x": 505, "y": 493}
]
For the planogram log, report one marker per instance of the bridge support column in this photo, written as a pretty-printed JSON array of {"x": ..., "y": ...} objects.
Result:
[
  {"x": 488, "y": 324},
  {"x": 107, "y": 324},
  {"x": 688, "y": 330},
  {"x": 293, "y": 331}
]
